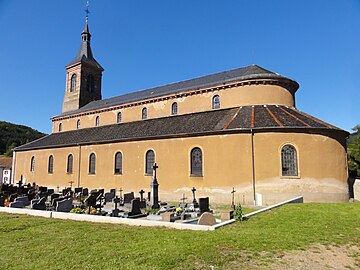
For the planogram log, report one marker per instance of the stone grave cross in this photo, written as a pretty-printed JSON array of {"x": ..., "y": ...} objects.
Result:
[
  {"x": 194, "y": 198},
  {"x": 141, "y": 192},
  {"x": 154, "y": 187}
]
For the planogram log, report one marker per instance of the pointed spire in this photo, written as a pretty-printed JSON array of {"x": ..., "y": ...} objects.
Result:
[
  {"x": 85, "y": 35},
  {"x": 85, "y": 52}
]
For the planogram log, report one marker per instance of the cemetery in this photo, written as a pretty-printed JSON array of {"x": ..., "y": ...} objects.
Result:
[{"x": 117, "y": 206}]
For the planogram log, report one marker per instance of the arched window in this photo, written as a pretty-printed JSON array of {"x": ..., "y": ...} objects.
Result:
[
  {"x": 78, "y": 124},
  {"x": 174, "y": 109},
  {"x": 60, "y": 127},
  {"x": 289, "y": 161},
  {"x": 118, "y": 163},
  {"x": 90, "y": 83},
  {"x": 216, "y": 102},
  {"x": 73, "y": 83},
  {"x": 69, "y": 167},
  {"x": 149, "y": 161},
  {"x": 32, "y": 164},
  {"x": 97, "y": 121},
  {"x": 119, "y": 117},
  {"x": 92, "y": 163},
  {"x": 196, "y": 162},
  {"x": 51, "y": 164},
  {"x": 144, "y": 114}
]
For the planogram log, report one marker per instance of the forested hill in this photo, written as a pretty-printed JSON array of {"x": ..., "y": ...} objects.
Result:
[{"x": 12, "y": 135}]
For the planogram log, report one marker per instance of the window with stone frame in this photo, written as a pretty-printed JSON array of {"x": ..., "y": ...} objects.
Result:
[
  {"x": 69, "y": 167},
  {"x": 73, "y": 83},
  {"x": 196, "y": 162},
  {"x": 289, "y": 165},
  {"x": 32, "y": 164},
  {"x": 51, "y": 164},
  {"x": 149, "y": 161},
  {"x": 216, "y": 102},
  {"x": 119, "y": 117},
  {"x": 144, "y": 114},
  {"x": 92, "y": 163},
  {"x": 174, "y": 108},
  {"x": 60, "y": 127},
  {"x": 118, "y": 163}
]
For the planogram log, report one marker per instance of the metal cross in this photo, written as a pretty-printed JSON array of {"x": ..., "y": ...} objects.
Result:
[
  {"x": 87, "y": 9},
  {"x": 183, "y": 199},
  {"x": 71, "y": 183},
  {"x": 232, "y": 199}
]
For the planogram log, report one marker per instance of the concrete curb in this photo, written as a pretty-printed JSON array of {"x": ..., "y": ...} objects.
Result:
[{"x": 135, "y": 222}]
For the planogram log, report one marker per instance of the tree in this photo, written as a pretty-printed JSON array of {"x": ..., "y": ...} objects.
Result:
[
  {"x": 354, "y": 151},
  {"x": 9, "y": 151}
]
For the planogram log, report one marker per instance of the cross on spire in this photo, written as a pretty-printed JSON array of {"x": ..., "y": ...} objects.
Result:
[{"x": 87, "y": 9}]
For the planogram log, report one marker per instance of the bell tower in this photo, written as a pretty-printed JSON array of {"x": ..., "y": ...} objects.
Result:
[{"x": 83, "y": 76}]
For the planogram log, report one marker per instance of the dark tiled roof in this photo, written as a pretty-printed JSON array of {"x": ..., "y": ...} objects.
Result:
[
  {"x": 6, "y": 162},
  {"x": 239, "y": 74},
  {"x": 242, "y": 119}
]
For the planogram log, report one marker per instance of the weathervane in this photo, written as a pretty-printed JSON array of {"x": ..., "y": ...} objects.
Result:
[{"x": 87, "y": 9}]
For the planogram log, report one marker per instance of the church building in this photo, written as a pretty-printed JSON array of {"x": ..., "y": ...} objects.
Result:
[{"x": 234, "y": 129}]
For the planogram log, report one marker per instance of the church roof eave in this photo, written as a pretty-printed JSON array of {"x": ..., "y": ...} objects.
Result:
[
  {"x": 259, "y": 118},
  {"x": 250, "y": 73}
]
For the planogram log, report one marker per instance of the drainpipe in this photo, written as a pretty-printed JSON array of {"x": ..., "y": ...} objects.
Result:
[
  {"x": 79, "y": 163},
  {"x": 13, "y": 168},
  {"x": 253, "y": 165}
]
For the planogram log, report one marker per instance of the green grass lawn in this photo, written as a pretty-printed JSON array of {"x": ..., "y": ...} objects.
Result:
[{"x": 39, "y": 243}]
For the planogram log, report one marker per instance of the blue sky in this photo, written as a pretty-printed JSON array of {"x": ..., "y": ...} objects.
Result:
[{"x": 143, "y": 44}]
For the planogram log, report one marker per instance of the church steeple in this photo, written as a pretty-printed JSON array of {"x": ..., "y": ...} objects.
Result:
[
  {"x": 86, "y": 33},
  {"x": 83, "y": 75}
]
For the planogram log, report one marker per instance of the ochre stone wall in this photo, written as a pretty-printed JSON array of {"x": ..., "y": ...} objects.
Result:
[
  {"x": 229, "y": 98},
  {"x": 227, "y": 163}
]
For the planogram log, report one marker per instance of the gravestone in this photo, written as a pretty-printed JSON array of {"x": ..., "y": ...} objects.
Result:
[
  {"x": 115, "y": 212},
  {"x": 43, "y": 189},
  {"x": 39, "y": 204},
  {"x": 207, "y": 219},
  {"x": 16, "y": 204},
  {"x": 109, "y": 196},
  {"x": 357, "y": 190},
  {"x": 24, "y": 200},
  {"x": 64, "y": 205},
  {"x": 167, "y": 216},
  {"x": 135, "y": 207},
  {"x": 128, "y": 197},
  {"x": 78, "y": 190},
  {"x": 142, "y": 200},
  {"x": 31, "y": 195},
  {"x": 54, "y": 196},
  {"x": 227, "y": 215},
  {"x": 90, "y": 200},
  {"x": 85, "y": 192},
  {"x": 204, "y": 204},
  {"x": 2, "y": 200}
]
